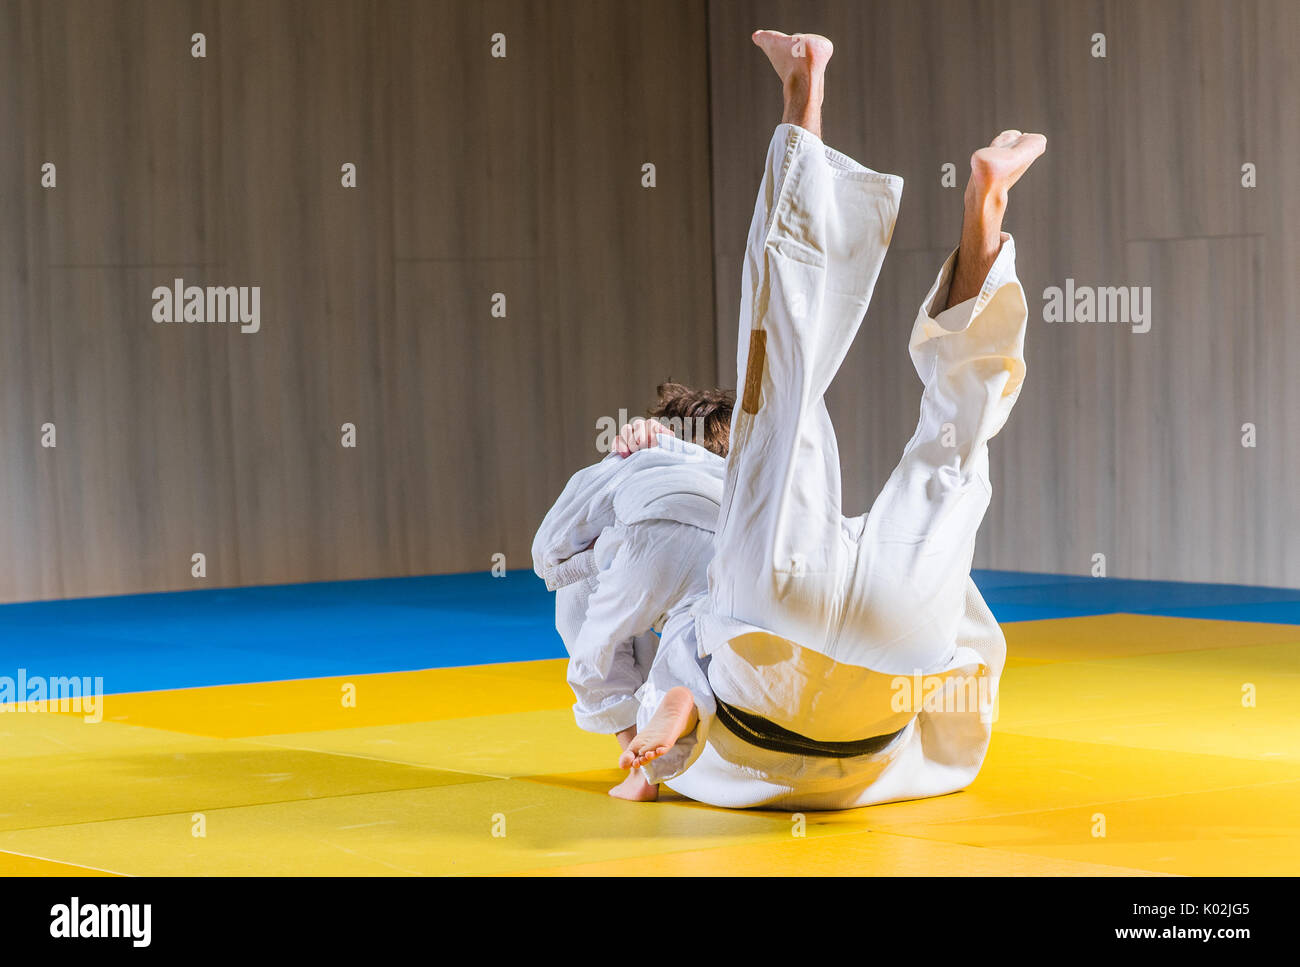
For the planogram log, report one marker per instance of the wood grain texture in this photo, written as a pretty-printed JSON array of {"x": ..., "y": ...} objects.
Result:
[
  {"x": 522, "y": 176},
  {"x": 1123, "y": 444},
  {"x": 476, "y": 176}
]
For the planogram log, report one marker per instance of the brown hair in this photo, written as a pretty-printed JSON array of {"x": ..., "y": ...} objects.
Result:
[{"x": 704, "y": 416}]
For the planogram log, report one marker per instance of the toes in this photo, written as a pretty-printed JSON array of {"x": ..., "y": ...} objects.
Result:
[
  {"x": 1005, "y": 138},
  {"x": 650, "y": 755}
]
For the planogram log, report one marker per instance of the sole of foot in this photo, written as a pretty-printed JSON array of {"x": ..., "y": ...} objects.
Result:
[
  {"x": 1000, "y": 165},
  {"x": 674, "y": 717},
  {"x": 795, "y": 56}
]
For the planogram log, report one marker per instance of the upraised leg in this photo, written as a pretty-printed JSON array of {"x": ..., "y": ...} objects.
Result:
[
  {"x": 910, "y": 585},
  {"x": 817, "y": 240}
]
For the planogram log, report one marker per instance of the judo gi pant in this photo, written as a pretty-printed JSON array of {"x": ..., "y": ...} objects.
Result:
[{"x": 887, "y": 590}]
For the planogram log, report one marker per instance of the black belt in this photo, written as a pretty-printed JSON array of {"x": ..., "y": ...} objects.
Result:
[{"x": 758, "y": 731}]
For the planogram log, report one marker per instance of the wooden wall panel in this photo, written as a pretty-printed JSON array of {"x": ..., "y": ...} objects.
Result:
[
  {"x": 1123, "y": 444},
  {"x": 475, "y": 175},
  {"x": 522, "y": 176}
]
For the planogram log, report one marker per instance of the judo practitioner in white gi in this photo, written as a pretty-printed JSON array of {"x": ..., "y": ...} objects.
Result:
[
  {"x": 836, "y": 662},
  {"x": 628, "y": 541}
]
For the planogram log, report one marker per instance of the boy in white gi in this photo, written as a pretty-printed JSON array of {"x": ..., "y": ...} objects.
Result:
[
  {"x": 626, "y": 543},
  {"x": 845, "y": 661}
]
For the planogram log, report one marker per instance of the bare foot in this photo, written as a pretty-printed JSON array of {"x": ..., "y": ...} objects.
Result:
[
  {"x": 993, "y": 170},
  {"x": 800, "y": 61},
  {"x": 675, "y": 717},
  {"x": 635, "y": 788},
  {"x": 791, "y": 54}
]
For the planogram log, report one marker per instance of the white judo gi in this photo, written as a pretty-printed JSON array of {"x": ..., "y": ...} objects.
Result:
[
  {"x": 817, "y": 629},
  {"x": 626, "y": 545}
]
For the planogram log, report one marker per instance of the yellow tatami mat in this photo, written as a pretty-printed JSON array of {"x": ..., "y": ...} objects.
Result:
[{"x": 1126, "y": 745}]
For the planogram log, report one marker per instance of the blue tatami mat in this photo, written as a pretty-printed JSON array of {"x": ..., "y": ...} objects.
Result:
[
  {"x": 234, "y": 635},
  {"x": 1023, "y": 596},
  {"x": 228, "y": 636}
]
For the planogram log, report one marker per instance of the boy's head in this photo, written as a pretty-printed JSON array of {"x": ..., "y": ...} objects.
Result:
[{"x": 701, "y": 416}]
